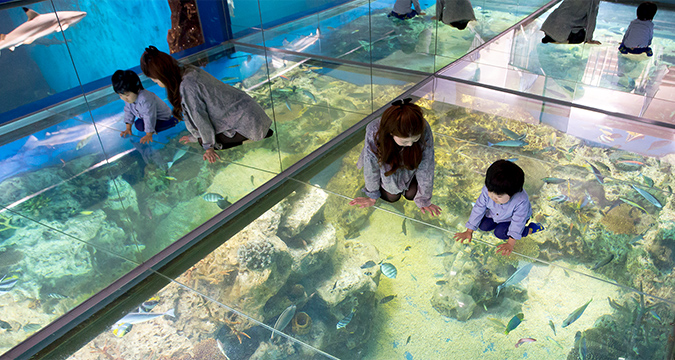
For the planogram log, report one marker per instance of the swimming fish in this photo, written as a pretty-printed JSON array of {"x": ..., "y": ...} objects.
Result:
[
  {"x": 284, "y": 319},
  {"x": 229, "y": 78},
  {"x": 655, "y": 315},
  {"x": 554, "y": 342},
  {"x": 288, "y": 105},
  {"x": 407, "y": 341},
  {"x": 5, "y": 325},
  {"x": 56, "y": 296},
  {"x": 148, "y": 305},
  {"x": 633, "y": 204},
  {"x": 575, "y": 315},
  {"x": 524, "y": 341},
  {"x": 403, "y": 229},
  {"x": 447, "y": 253},
  {"x": 658, "y": 144},
  {"x": 7, "y": 283},
  {"x": 309, "y": 95},
  {"x": 512, "y": 159},
  {"x": 179, "y": 154},
  {"x": 441, "y": 282},
  {"x": 345, "y": 321},
  {"x": 368, "y": 264},
  {"x": 121, "y": 329},
  {"x": 387, "y": 299},
  {"x": 213, "y": 197},
  {"x": 517, "y": 277},
  {"x": 512, "y": 134},
  {"x": 407, "y": 248},
  {"x": 560, "y": 198},
  {"x": 31, "y": 327},
  {"x": 252, "y": 180},
  {"x": 82, "y": 143},
  {"x": 221, "y": 348},
  {"x": 135, "y": 318},
  {"x": 513, "y": 323},
  {"x": 603, "y": 262},
  {"x": 648, "y": 181},
  {"x": 509, "y": 143},
  {"x": 496, "y": 322},
  {"x": 86, "y": 212},
  {"x": 596, "y": 172},
  {"x": 552, "y": 325},
  {"x": 648, "y": 196},
  {"x": 583, "y": 350},
  {"x": 388, "y": 270},
  {"x": 170, "y": 178},
  {"x": 633, "y": 136},
  {"x": 553, "y": 180}
]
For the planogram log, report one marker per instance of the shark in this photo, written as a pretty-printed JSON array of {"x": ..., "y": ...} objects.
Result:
[{"x": 39, "y": 25}]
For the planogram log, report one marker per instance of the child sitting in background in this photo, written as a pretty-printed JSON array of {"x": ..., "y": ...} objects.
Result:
[
  {"x": 153, "y": 114},
  {"x": 402, "y": 9},
  {"x": 503, "y": 206},
  {"x": 640, "y": 32}
]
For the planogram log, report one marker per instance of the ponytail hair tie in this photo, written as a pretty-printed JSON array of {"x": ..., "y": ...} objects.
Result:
[
  {"x": 401, "y": 102},
  {"x": 150, "y": 52}
]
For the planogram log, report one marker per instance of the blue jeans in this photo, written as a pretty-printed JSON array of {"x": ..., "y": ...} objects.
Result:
[
  {"x": 160, "y": 125},
  {"x": 626, "y": 50},
  {"x": 501, "y": 229},
  {"x": 407, "y": 16}
]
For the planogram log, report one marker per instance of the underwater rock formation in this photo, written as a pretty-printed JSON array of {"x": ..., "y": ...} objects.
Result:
[
  {"x": 305, "y": 205},
  {"x": 121, "y": 197},
  {"x": 256, "y": 255},
  {"x": 320, "y": 243},
  {"x": 453, "y": 303},
  {"x": 301, "y": 323},
  {"x": 186, "y": 31},
  {"x": 348, "y": 279}
]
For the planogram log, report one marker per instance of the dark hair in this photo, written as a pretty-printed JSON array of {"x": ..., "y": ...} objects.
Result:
[
  {"x": 646, "y": 10},
  {"x": 163, "y": 67},
  {"x": 504, "y": 177},
  {"x": 126, "y": 81},
  {"x": 402, "y": 119}
]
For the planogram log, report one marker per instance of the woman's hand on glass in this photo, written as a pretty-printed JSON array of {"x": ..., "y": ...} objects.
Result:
[
  {"x": 363, "y": 202},
  {"x": 432, "y": 209},
  {"x": 185, "y": 139},
  {"x": 211, "y": 156}
]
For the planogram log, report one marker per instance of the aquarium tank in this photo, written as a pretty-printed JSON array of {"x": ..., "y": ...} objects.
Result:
[{"x": 113, "y": 247}]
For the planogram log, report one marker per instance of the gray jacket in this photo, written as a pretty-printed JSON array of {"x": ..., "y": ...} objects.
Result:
[
  {"x": 399, "y": 181},
  {"x": 211, "y": 107},
  {"x": 572, "y": 15},
  {"x": 448, "y": 11}
]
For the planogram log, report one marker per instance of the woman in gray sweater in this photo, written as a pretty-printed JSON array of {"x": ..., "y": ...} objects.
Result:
[
  {"x": 398, "y": 158},
  {"x": 217, "y": 115}
]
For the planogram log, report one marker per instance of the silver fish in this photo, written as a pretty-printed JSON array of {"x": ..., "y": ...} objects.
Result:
[
  {"x": 575, "y": 314},
  {"x": 82, "y": 143},
  {"x": 345, "y": 321},
  {"x": 56, "y": 296},
  {"x": 213, "y": 197},
  {"x": 517, "y": 277},
  {"x": 179, "y": 154},
  {"x": 135, "y": 318},
  {"x": 284, "y": 319},
  {"x": 32, "y": 327},
  {"x": 648, "y": 196},
  {"x": 560, "y": 198},
  {"x": 388, "y": 270},
  {"x": 7, "y": 283},
  {"x": 368, "y": 264},
  {"x": 596, "y": 172},
  {"x": 552, "y": 325}
]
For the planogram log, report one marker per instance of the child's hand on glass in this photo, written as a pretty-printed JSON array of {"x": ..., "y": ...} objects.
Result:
[
  {"x": 507, "y": 247},
  {"x": 464, "y": 236},
  {"x": 125, "y": 133},
  {"x": 363, "y": 202},
  {"x": 432, "y": 209},
  {"x": 146, "y": 139}
]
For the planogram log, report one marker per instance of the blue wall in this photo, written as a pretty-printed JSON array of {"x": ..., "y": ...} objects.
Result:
[{"x": 246, "y": 13}]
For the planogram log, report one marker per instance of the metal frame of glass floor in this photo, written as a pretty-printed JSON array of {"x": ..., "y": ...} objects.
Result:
[{"x": 439, "y": 94}]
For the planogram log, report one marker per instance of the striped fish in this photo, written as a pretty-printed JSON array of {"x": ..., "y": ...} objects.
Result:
[
  {"x": 345, "y": 321},
  {"x": 388, "y": 270}
]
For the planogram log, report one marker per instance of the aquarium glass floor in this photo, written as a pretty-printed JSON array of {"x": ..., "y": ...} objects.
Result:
[
  {"x": 594, "y": 284},
  {"x": 114, "y": 203}
]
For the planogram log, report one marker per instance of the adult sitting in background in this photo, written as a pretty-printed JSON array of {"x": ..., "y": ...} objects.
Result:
[
  {"x": 402, "y": 9},
  {"x": 217, "y": 115},
  {"x": 573, "y": 22},
  {"x": 456, "y": 13}
]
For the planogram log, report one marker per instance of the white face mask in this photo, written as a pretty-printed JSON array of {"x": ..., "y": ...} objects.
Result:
[{"x": 406, "y": 141}]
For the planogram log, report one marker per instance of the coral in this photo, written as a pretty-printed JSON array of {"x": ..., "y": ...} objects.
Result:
[
  {"x": 5, "y": 223},
  {"x": 301, "y": 323},
  {"x": 256, "y": 255}
]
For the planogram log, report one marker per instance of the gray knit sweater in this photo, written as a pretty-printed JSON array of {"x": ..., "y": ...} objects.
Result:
[{"x": 211, "y": 107}]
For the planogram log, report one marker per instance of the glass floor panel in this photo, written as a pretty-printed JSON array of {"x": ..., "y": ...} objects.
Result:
[{"x": 361, "y": 31}]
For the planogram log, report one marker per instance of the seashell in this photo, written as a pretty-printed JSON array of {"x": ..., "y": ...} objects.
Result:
[{"x": 301, "y": 323}]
